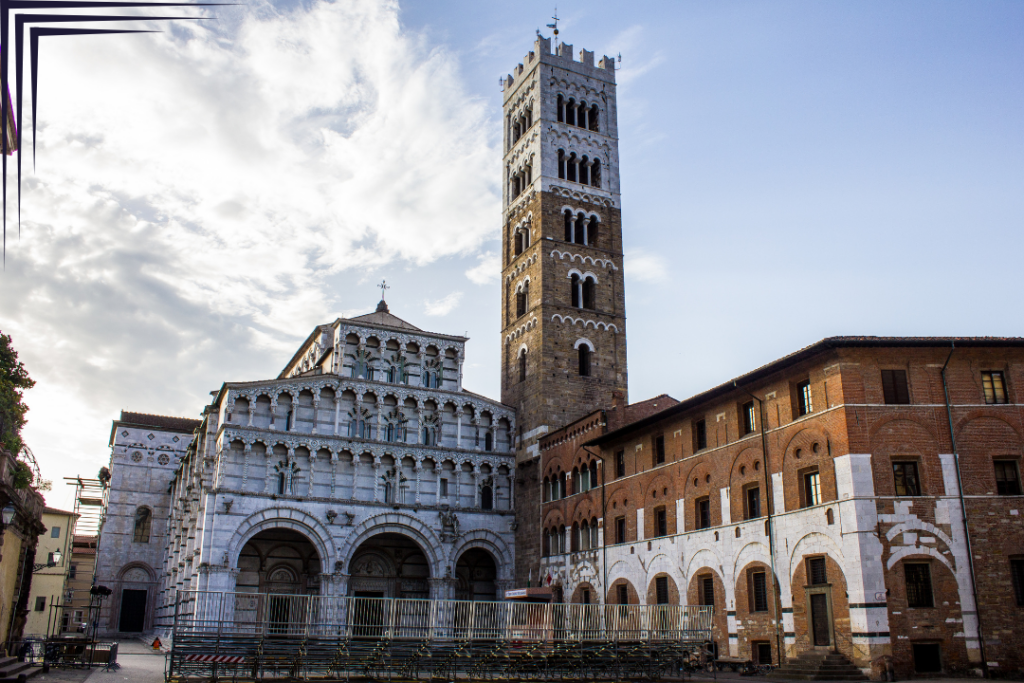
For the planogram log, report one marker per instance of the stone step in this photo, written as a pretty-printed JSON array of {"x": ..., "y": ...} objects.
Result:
[{"x": 15, "y": 674}]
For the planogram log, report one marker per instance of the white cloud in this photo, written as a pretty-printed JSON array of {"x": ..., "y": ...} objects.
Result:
[
  {"x": 197, "y": 188},
  {"x": 487, "y": 271},
  {"x": 443, "y": 306},
  {"x": 645, "y": 267}
]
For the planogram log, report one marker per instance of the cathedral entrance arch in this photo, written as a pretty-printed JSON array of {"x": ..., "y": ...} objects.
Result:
[
  {"x": 389, "y": 565},
  {"x": 281, "y": 562},
  {"x": 476, "y": 575}
]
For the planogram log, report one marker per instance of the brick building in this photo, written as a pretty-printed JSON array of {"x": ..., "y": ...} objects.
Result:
[{"x": 863, "y": 485}]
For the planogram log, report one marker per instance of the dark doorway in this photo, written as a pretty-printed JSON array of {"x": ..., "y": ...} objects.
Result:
[
  {"x": 477, "y": 574},
  {"x": 819, "y": 619},
  {"x": 133, "y": 611},
  {"x": 927, "y": 658}
]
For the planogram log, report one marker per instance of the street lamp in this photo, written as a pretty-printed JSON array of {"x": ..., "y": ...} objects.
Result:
[
  {"x": 51, "y": 561},
  {"x": 7, "y": 514}
]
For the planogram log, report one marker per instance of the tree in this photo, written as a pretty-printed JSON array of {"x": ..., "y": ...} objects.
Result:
[{"x": 13, "y": 380}]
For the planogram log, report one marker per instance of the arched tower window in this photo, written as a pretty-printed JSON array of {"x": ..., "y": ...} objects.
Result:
[
  {"x": 523, "y": 300},
  {"x": 585, "y": 170},
  {"x": 574, "y": 287},
  {"x": 592, "y": 119},
  {"x": 570, "y": 113},
  {"x": 546, "y": 549},
  {"x": 561, "y": 109},
  {"x": 561, "y": 540},
  {"x": 561, "y": 164},
  {"x": 581, "y": 115},
  {"x": 595, "y": 173},
  {"x": 592, "y": 231},
  {"x": 568, "y": 225},
  {"x": 581, "y": 229},
  {"x": 585, "y": 535},
  {"x": 594, "y": 542},
  {"x": 486, "y": 497},
  {"x": 488, "y": 441},
  {"x": 593, "y": 474},
  {"x": 571, "y": 167},
  {"x": 589, "y": 288},
  {"x": 584, "y": 360},
  {"x": 143, "y": 521},
  {"x": 522, "y": 365},
  {"x": 575, "y": 540}
]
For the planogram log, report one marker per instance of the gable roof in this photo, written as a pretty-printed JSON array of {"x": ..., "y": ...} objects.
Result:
[{"x": 164, "y": 423}]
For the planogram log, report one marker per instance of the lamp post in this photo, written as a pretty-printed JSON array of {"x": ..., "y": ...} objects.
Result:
[
  {"x": 7, "y": 516},
  {"x": 52, "y": 560}
]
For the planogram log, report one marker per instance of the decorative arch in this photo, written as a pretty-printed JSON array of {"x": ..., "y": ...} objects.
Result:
[
  {"x": 394, "y": 523},
  {"x": 583, "y": 341},
  {"x": 286, "y": 518},
  {"x": 123, "y": 574},
  {"x": 485, "y": 539},
  {"x": 755, "y": 551},
  {"x": 705, "y": 557},
  {"x": 815, "y": 543}
]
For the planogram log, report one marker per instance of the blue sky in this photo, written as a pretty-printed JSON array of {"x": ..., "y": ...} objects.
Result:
[{"x": 790, "y": 171}]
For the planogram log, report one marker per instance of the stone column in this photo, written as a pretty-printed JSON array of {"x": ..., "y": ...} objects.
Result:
[
  {"x": 316, "y": 411},
  {"x": 376, "y": 478},
  {"x": 458, "y": 428},
  {"x": 334, "y": 472},
  {"x": 355, "y": 475},
  {"x": 273, "y": 412},
  {"x": 494, "y": 437},
  {"x": 419, "y": 474},
  {"x": 312, "y": 470},
  {"x": 270, "y": 468},
  {"x": 247, "y": 451},
  {"x": 380, "y": 419},
  {"x": 457, "y": 479},
  {"x": 419, "y": 421},
  {"x": 476, "y": 485},
  {"x": 337, "y": 409},
  {"x": 252, "y": 410}
]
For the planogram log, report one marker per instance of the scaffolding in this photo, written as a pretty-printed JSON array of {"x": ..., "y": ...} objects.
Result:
[
  {"x": 90, "y": 504},
  {"x": 260, "y": 636}
]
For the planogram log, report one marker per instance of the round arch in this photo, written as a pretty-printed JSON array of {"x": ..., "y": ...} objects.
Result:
[
  {"x": 485, "y": 539},
  {"x": 283, "y": 518},
  {"x": 394, "y": 523}
]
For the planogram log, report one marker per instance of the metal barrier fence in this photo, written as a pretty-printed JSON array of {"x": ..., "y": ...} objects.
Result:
[{"x": 250, "y": 635}]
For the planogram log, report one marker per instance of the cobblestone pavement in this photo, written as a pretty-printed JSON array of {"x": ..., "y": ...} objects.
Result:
[{"x": 139, "y": 664}]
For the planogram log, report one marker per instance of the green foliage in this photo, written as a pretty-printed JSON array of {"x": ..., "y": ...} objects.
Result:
[
  {"x": 22, "y": 476},
  {"x": 14, "y": 380}
]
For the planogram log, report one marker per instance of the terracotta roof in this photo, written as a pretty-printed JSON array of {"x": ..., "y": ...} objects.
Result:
[
  {"x": 55, "y": 511},
  {"x": 797, "y": 357},
  {"x": 165, "y": 422}
]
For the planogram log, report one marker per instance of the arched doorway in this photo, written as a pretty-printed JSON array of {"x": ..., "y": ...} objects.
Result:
[
  {"x": 476, "y": 575},
  {"x": 280, "y": 561},
  {"x": 389, "y": 566}
]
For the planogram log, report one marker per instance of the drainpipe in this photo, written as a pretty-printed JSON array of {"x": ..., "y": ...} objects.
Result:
[
  {"x": 768, "y": 511},
  {"x": 604, "y": 521},
  {"x": 963, "y": 513}
]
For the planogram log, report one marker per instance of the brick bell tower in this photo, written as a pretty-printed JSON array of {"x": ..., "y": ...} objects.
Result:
[{"x": 563, "y": 303}]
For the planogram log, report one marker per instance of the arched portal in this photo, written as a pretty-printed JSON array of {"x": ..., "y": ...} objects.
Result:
[
  {"x": 279, "y": 561},
  {"x": 389, "y": 566},
  {"x": 476, "y": 574}
]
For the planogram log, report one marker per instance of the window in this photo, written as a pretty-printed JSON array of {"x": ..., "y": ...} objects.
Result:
[
  {"x": 803, "y": 398},
  {"x": 707, "y": 591},
  {"x": 620, "y": 529},
  {"x": 586, "y": 596},
  {"x": 894, "y": 387},
  {"x": 522, "y": 300},
  {"x": 55, "y": 532},
  {"x": 1007, "y": 478},
  {"x": 522, "y": 365},
  {"x": 584, "y": 360},
  {"x": 574, "y": 290},
  {"x": 143, "y": 518},
  {"x": 752, "y": 502},
  {"x": 620, "y": 464},
  {"x": 700, "y": 435},
  {"x": 812, "y": 488},
  {"x": 661, "y": 589},
  {"x": 762, "y": 652},
  {"x": 593, "y": 474},
  {"x": 72, "y": 571},
  {"x": 919, "y": 585},
  {"x": 660, "y": 522},
  {"x": 816, "y": 575},
  {"x": 994, "y": 384},
  {"x": 40, "y": 603},
  {"x": 444, "y": 488},
  {"x": 659, "y": 449},
  {"x": 1017, "y": 577},
  {"x": 588, "y": 289},
  {"x": 623, "y": 594},
  {"x": 749, "y": 423},
  {"x": 907, "y": 481},
  {"x": 758, "y": 591},
  {"x": 703, "y": 516}
]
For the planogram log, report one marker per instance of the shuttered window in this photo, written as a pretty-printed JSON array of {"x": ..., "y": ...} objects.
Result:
[
  {"x": 894, "y": 387},
  {"x": 1007, "y": 478},
  {"x": 994, "y": 385},
  {"x": 707, "y": 591},
  {"x": 623, "y": 594},
  {"x": 1017, "y": 575},
  {"x": 661, "y": 588},
  {"x": 919, "y": 585},
  {"x": 816, "y": 571},
  {"x": 904, "y": 474},
  {"x": 758, "y": 592}
]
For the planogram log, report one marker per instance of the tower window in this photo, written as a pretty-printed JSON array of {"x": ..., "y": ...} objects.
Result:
[
  {"x": 904, "y": 475},
  {"x": 561, "y": 165},
  {"x": 595, "y": 173},
  {"x": 919, "y": 584},
  {"x": 994, "y": 384},
  {"x": 620, "y": 464},
  {"x": 894, "y": 387},
  {"x": 660, "y": 522},
  {"x": 1017, "y": 578},
  {"x": 661, "y": 589},
  {"x": 581, "y": 229},
  {"x": 620, "y": 529},
  {"x": 585, "y": 170},
  {"x": 561, "y": 109},
  {"x": 570, "y": 113},
  {"x": 592, "y": 119},
  {"x": 568, "y": 225},
  {"x": 749, "y": 421},
  {"x": 700, "y": 435},
  {"x": 143, "y": 520},
  {"x": 659, "y": 449},
  {"x": 589, "y": 288},
  {"x": 570, "y": 170},
  {"x": 758, "y": 591},
  {"x": 519, "y": 243},
  {"x": 812, "y": 488},
  {"x": 703, "y": 513},
  {"x": 486, "y": 498},
  {"x": 707, "y": 591},
  {"x": 522, "y": 365},
  {"x": 1007, "y": 478},
  {"x": 584, "y": 359},
  {"x": 803, "y": 398},
  {"x": 574, "y": 293},
  {"x": 592, "y": 231},
  {"x": 752, "y": 501}
]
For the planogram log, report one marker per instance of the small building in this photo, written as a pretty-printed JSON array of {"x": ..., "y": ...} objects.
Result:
[
  {"x": 53, "y": 560},
  {"x": 18, "y": 542}
]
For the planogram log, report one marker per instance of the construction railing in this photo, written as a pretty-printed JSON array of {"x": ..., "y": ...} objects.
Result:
[{"x": 249, "y": 635}]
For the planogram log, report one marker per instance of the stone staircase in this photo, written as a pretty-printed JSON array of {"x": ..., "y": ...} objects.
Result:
[
  {"x": 817, "y": 665},
  {"x": 11, "y": 670}
]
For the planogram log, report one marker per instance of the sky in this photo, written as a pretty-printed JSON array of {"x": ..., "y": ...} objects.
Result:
[{"x": 790, "y": 171}]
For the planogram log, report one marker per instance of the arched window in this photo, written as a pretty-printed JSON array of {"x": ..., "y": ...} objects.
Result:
[
  {"x": 488, "y": 441},
  {"x": 389, "y": 433},
  {"x": 584, "y": 479},
  {"x": 574, "y": 541},
  {"x": 561, "y": 109},
  {"x": 584, "y": 360},
  {"x": 593, "y": 474},
  {"x": 585, "y": 170},
  {"x": 594, "y": 541},
  {"x": 592, "y": 231},
  {"x": 585, "y": 535},
  {"x": 568, "y": 225},
  {"x": 588, "y": 288},
  {"x": 561, "y": 164},
  {"x": 574, "y": 287},
  {"x": 546, "y": 544},
  {"x": 519, "y": 242},
  {"x": 575, "y": 480},
  {"x": 522, "y": 365},
  {"x": 581, "y": 229},
  {"x": 570, "y": 113},
  {"x": 595, "y": 173},
  {"x": 389, "y": 492},
  {"x": 581, "y": 115},
  {"x": 391, "y": 373},
  {"x": 143, "y": 521},
  {"x": 546, "y": 491},
  {"x": 561, "y": 485},
  {"x": 592, "y": 119},
  {"x": 561, "y": 540},
  {"x": 570, "y": 167},
  {"x": 281, "y": 483},
  {"x": 486, "y": 498}
]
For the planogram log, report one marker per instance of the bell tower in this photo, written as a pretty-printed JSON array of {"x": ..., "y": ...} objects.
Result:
[{"x": 563, "y": 303}]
